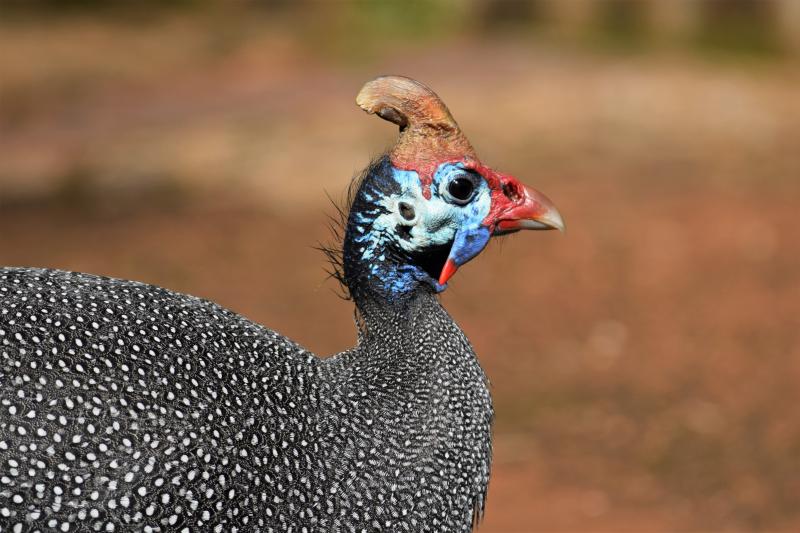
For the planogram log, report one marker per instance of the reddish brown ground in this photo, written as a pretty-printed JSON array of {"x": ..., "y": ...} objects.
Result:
[{"x": 644, "y": 366}]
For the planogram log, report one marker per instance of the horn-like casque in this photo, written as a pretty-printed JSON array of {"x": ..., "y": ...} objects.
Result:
[{"x": 428, "y": 133}]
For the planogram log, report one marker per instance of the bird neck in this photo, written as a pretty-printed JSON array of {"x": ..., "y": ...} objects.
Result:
[
  {"x": 377, "y": 313},
  {"x": 401, "y": 340}
]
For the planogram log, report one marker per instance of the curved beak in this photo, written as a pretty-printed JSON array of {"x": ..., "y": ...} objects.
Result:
[
  {"x": 526, "y": 208},
  {"x": 514, "y": 207}
]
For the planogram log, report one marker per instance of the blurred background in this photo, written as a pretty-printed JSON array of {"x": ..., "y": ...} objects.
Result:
[{"x": 644, "y": 366}]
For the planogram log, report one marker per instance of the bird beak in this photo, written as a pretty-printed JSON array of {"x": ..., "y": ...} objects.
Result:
[
  {"x": 514, "y": 207},
  {"x": 525, "y": 208}
]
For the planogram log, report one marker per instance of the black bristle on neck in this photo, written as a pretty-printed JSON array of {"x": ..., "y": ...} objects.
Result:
[{"x": 337, "y": 224}]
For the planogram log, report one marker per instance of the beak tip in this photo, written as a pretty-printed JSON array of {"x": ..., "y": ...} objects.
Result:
[
  {"x": 538, "y": 212},
  {"x": 556, "y": 221},
  {"x": 550, "y": 219}
]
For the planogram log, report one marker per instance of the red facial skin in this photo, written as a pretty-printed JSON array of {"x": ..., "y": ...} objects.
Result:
[
  {"x": 449, "y": 269},
  {"x": 426, "y": 168},
  {"x": 511, "y": 200},
  {"x": 506, "y": 191}
]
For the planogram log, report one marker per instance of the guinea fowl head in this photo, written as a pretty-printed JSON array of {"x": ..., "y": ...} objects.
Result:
[{"x": 429, "y": 205}]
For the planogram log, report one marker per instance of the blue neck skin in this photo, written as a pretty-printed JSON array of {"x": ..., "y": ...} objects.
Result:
[{"x": 375, "y": 265}]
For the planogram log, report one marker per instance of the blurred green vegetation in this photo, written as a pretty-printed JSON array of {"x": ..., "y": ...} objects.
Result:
[
  {"x": 353, "y": 30},
  {"x": 739, "y": 27}
]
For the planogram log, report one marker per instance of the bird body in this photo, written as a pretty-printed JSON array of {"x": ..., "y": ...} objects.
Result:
[{"x": 127, "y": 407}]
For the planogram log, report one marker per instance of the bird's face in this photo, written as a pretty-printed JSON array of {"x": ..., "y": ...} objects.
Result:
[
  {"x": 433, "y": 226},
  {"x": 429, "y": 205}
]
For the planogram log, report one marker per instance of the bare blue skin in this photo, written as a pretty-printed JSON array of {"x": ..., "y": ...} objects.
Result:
[{"x": 385, "y": 242}]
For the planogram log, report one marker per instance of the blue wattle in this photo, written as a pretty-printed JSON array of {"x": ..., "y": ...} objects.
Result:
[{"x": 468, "y": 243}]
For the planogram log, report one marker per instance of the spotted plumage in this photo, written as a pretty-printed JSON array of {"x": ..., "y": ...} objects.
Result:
[{"x": 127, "y": 407}]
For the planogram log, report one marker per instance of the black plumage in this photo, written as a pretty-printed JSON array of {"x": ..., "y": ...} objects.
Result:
[{"x": 128, "y": 407}]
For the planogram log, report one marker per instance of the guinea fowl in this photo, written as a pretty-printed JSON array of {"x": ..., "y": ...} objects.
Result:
[{"x": 127, "y": 407}]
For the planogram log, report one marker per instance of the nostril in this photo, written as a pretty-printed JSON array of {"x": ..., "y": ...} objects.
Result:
[
  {"x": 512, "y": 191},
  {"x": 406, "y": 211}
]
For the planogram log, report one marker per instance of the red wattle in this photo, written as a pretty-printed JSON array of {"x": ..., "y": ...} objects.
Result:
[{"x": 449, "y": 269}]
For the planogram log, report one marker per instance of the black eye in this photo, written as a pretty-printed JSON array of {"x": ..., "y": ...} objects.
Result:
[{"x": 461, "y": 189}]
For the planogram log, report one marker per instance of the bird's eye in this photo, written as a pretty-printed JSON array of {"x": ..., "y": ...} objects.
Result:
[{"x": 461, "y": 189}]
